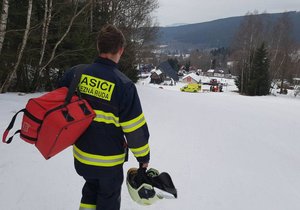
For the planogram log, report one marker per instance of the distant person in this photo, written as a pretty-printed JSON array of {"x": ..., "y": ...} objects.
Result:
[
  {"x": 221, "y": 87},
  {"x": 120, "y": 124}
]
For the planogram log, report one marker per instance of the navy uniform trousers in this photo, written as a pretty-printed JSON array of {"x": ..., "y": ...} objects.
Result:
[{"x": 103, "y": 193}]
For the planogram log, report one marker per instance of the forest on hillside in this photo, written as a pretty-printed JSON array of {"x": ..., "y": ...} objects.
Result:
[{"x": 39, "y": 40}]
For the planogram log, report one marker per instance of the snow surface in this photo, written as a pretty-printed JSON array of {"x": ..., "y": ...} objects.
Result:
[{"x": 224, "y": 152}]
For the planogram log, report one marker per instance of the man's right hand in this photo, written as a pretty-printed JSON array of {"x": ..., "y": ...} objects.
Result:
[{"x": 144, "y": 165}]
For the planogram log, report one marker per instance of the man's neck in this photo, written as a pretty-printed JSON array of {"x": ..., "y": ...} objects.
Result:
[{"x": 114, "y": 57}]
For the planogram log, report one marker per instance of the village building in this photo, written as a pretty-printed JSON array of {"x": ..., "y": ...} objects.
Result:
[
  {"x": 191, "y": 78},
  {"x": 163, "y": 73},
  {"x": 157, "y": 76},
  {"x": 218, "y": 73}
]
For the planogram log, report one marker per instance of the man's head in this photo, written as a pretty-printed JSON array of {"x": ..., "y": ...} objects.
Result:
[{"x": 110, "y": 41}]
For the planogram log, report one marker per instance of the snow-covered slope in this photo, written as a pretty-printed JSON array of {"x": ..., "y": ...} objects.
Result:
[{"x": 224, "y": 152}]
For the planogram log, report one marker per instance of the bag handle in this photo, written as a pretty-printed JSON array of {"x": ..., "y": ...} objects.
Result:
[
  {"x": 11, "y": 138},
  {"x": 74, "y": 83},
  {"x": 10, "y": 126}
]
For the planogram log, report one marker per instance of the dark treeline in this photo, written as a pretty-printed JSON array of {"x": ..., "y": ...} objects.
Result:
[
  {"x": 264, "y": 53},
  {"x": 39, "y": 40}
]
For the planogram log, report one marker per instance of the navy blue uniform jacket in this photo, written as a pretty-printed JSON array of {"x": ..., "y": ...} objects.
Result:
[{"x": 119, "y": 124}]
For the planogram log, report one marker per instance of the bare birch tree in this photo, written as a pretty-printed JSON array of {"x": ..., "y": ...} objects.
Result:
[
  {"x": 282, "y": 48},
  {"x": 48, "y": 6},
  {"x": 53, "y": 53},
  {"x": 92, "y": 16},
  {"x": 250, "y": 35},
  {"x": 76, "y": 14},
  {"x": 45, "y": 30},
  {"x": 11, "y": 75},
  {"x": 3, "y": 22},
  {"x": 134, "y": 18}
]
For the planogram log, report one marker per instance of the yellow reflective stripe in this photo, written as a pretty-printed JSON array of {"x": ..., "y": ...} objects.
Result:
[
  {"x": 84, "y": 206},
  {"x": 133, "y": 124},
  {"x": 141, "y": 151},
  {"x": 97, "y": 160},
  {"x": 106, "y": 117}
]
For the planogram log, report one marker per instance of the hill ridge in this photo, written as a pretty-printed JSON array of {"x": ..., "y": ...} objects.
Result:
[{"x": 215, "y": 33}]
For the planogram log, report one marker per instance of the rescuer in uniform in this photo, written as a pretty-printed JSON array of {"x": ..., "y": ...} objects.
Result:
[{"x": 119, "y": 124}]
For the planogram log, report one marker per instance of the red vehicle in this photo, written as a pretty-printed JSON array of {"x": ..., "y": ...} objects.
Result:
[{"x": 215, "y": 86}]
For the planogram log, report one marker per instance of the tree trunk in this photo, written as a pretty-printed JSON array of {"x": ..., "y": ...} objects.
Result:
[
  {"x": 282, "y": 81},
  {"x": 44, "y": 39},
  {"x": 3, "y": 22},
  {"x": 92, "y": 16},
  {"x": 76, "y": 14},
  {"x": 275, "y": 57},
  {"x": 46, "y": 23},
  {"x": 11, "y": 75}
]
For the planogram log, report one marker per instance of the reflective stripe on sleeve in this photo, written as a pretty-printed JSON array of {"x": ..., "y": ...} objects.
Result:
[
  {"x": 133, "y": 124},
  {"x": 106, "y": 117},
  {"x": 97, "y": 160},
  {"x": 84, "y": 206},
  {"x": 141, "y": 151}
]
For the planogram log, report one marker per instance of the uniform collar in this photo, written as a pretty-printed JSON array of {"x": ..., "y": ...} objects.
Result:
[{"x": 105, "y": 61}]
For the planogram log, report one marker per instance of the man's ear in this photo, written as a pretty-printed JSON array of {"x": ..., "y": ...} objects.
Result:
[{"x": 121, "y": 50}]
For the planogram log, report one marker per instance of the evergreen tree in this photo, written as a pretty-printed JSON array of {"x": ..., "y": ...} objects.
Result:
[
  {"x": 237, "y": 82},
  {"x": 126, "y": 64},
  {"x": 174, "y": 63},
  {"x": 187, "y": 65},
  {"x": 259, "y": 83}
]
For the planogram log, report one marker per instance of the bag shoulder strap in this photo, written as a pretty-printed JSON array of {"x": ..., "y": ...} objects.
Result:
[
  {"x": 74, "y": 83},
  {"x": 10, "y": 126}
]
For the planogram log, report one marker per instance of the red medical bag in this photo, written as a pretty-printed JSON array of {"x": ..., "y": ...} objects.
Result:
[{"x": 54, "y": 121}]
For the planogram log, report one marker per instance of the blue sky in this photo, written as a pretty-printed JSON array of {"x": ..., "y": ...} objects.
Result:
[{"x": 197, "y": 11}]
